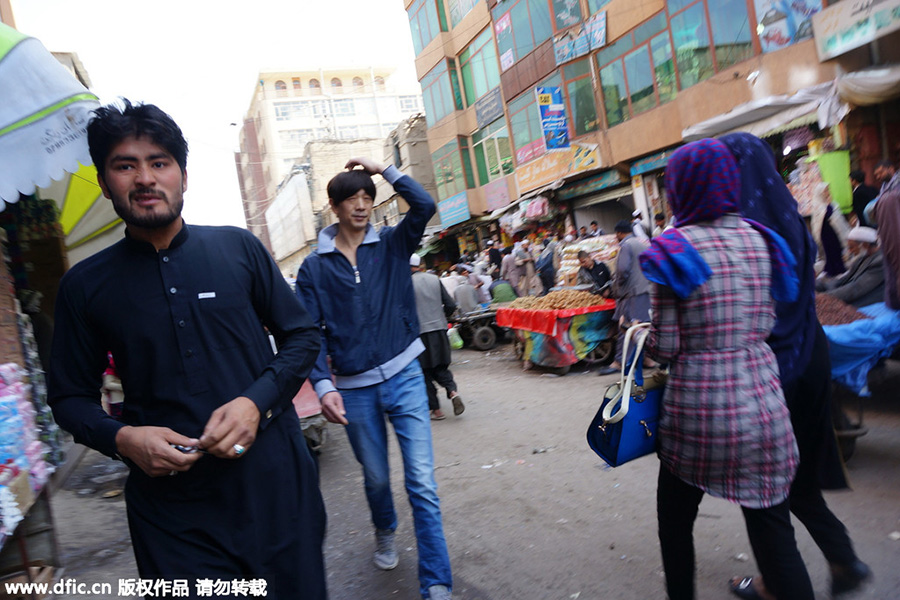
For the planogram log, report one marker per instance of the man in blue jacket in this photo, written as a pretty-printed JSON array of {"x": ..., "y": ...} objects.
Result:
[{"x": 357, "y": 286}]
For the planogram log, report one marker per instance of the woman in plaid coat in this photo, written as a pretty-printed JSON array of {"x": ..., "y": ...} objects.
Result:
[{"x": 724, "y": 428}]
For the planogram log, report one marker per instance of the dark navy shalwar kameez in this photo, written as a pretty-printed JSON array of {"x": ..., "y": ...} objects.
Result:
[{"x": 185, "y": 326}]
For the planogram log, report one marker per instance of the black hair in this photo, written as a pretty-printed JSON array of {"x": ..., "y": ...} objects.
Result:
[
  {"x": 583, "y": 227},
  {"x": 593, "y": 222},
  {"x": 506, "y": 250},
  {"x": 659, "y": 217},
  {"x": 343, "y": 185},
  {"x": 885, "y": 164},
  {"x": 111, "y": 124},
  {"x": 858, "y": 176},
  {"x": 583, "y": 254},
  {"x": 623, "y": 227}
]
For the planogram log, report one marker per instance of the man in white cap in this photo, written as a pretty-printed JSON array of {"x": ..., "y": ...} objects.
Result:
[
  {"x": 637, "y": 227},
  {"x": 863, "y": 283}
]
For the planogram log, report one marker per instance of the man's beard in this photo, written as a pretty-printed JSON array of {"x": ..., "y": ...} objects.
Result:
[{"x": 126, "y": 212}]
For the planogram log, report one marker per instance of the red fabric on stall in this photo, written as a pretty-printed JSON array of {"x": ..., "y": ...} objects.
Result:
[{"x": 544, "y": 321}]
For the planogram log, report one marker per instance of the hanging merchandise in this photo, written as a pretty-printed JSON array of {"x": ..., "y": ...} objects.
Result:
[{"x": 537, "y": 208}]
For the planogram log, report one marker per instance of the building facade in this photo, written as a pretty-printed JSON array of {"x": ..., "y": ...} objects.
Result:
[
  {"x": 579, "y": 103},
  {"x": 291, "y": 108}
]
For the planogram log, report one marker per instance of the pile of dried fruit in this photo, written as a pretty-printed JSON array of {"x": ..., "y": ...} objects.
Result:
[
  {"x": 832, "y": 311},
  {"x": 558, "y": 300}
]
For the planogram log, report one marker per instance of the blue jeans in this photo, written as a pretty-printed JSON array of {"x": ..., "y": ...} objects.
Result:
[{"x": 404, "y": 401}]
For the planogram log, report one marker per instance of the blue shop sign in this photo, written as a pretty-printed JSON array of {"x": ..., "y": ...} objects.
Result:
[
  {"x": 607, "y": 179},
  {"x": 654, "y": 162},
  {"x": 489, "y": 108},
  {"x": 454, "y": 209}
]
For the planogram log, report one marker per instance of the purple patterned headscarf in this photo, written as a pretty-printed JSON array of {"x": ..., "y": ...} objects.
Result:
[{"x": 703, "y": 184}]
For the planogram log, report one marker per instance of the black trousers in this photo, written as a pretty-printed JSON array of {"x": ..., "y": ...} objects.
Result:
[
  {"x": 442, "y": 375},
  {"x": 770, "y": 531},
  {"x": 259, "y": 517},
  {"x": 809, "y": 400}
]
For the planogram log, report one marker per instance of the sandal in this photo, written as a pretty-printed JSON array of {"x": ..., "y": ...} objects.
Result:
[
  {"x": 437, "y": 415},
  {"x": 458, "y": 406},
  {"x": 743, "y": 588}
]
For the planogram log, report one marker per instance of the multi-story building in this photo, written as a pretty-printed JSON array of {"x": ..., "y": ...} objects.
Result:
[
  {"x": 291, "y": 108},
  {"x": 581, "y": 101}
]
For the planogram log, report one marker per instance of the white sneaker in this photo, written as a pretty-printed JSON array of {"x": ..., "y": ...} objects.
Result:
[
  {"x": 385, "y": 550},
  {"x": 439, "y": 592}
]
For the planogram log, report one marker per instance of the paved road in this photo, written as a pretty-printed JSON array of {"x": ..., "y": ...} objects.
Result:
[{"x": 530, "y": 512}]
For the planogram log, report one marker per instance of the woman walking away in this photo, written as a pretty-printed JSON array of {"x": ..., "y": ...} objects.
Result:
[
  {"x": 724, "y": 428},
  {"x": 801, "y": 348}
]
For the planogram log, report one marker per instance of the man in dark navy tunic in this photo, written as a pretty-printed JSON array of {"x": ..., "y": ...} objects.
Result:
[{"x": 222, "y": 485}]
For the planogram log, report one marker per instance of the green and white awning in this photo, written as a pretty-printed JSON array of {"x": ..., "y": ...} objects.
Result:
[{"x": 44, "y": 110}]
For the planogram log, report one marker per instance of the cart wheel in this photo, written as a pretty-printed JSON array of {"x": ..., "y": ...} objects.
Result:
[
  {"x": 484, "y": 338},
  {"x": 604, "y": 351},
  {"x": 562, "y": 370}
]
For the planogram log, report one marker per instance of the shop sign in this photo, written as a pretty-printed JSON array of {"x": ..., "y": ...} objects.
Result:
[
  {"x": 496, "y": 194},
  {"x": 784, "y": 22},
  {"x": 596, "y": 27},
  {"x": 607, "y": 179},
  {"x": 654, "y": 162},
  {"x": 572, "y": 44},
  {"x": 851, "y": 24},
  {"x": 556, "y": 165},
  {"x": 530, "y": 151},
  {"x": 552, "y": 110},
  {"x": 454, "y": 209},
  {"x": 489, "y": 108}
]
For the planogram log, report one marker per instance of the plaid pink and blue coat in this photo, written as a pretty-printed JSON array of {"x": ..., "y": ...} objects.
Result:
[{"x": 724, "y": 426}]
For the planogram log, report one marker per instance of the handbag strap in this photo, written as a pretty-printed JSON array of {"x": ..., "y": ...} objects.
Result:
[{"x": 639, "y": 331}]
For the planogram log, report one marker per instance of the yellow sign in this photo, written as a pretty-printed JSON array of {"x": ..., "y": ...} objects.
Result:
[{"x": 556, "y": 165}]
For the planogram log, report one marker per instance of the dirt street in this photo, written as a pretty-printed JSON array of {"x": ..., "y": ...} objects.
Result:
[{"x": 530, "y": 513}]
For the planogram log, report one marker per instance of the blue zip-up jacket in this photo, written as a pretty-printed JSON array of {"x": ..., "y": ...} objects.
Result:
[{"x": 370, "y": 330}]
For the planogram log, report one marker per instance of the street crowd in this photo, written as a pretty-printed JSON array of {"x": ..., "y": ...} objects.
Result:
[{"x": 222, "y": 484}]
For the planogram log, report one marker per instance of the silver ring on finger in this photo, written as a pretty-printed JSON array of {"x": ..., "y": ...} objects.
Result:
[{"x": 238, "y": 449}]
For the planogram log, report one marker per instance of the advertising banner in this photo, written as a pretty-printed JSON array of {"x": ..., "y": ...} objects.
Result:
[
  {"x": 554, "y": 125},
  {"x": 848, "y": 25},
  {"x": 784, "y": 22},
  {"x": 596, "y": 27},
  {"x": 556, "y": 165},
  {"x": 454, "y": 209}
]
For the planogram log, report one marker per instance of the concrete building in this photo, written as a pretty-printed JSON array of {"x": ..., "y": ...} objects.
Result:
[
  {"x": 407, "y": 149},
  {"x": 291, "y": 108},
  {"x": 620, "y": 84}
]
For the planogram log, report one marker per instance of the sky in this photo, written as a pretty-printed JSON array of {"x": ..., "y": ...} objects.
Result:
[{"x": 198, "y": 60}]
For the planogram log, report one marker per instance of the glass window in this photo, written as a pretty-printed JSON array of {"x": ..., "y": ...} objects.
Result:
[
  {"x": 692, "y": 52},
  {"x": 676, "y": 5},
  {"x": 450, "y": 173},
  {"x": 664, "y": 67},
  {"x": 615, "y": 50},
  {"x": 493, "y": 153},
  {"x": 520, "y": 28},
  {"x": 357, "y": 82},
  {"x": 295, "y": 82},
  {"x": 314, "y": 84},
  {"x": 730, "y": 25},
  {"x": 364, "y": 106},
  {"x": 295, "y": 138},
  {"x": 440, "y": 92},
  {"x": 640, "y": 80},
  {"x": 566, "y": 13},
  {"x": 479, "y": 68},
  {"x": 525, "y": 123},
  {"x": 459, "y": 9},
  {"x": 409, "y": 104},
  {"x": 644, "y": 32},
  {"x": 349, "y": 132},
  {"x": 595, "y": 5},
  {"x": 280, "y": 88},
  {"x": 426, "y": 20},
  {"x": 344, "y": 108},
  {"x": 336, "y": 85},
  {"x": 615, "y": 97},
  {"x": 583, "y": 105},
  {"x": 379, "y": 83}
]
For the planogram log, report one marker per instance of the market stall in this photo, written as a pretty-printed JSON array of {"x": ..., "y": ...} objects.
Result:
[
  {"x": 858, "y": 342},
  {"x": 559, "y": 337},
  {"x": 602, "y": 248}
]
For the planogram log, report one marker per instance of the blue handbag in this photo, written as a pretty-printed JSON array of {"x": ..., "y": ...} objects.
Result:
[{"x": 631, "y": 431}]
